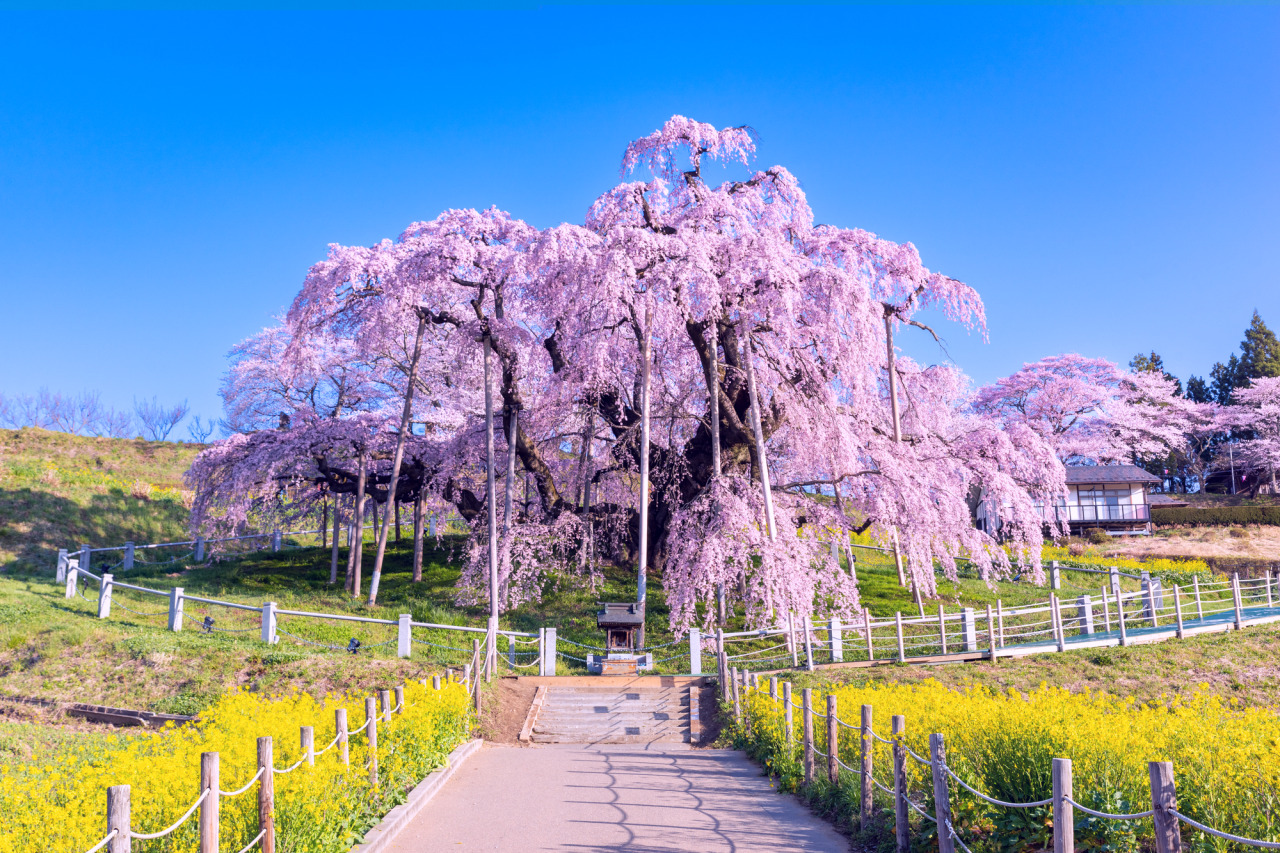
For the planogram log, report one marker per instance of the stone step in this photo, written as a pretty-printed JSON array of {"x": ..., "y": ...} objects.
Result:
[
  {"x": 543, "y": 738},
  {"x": 616, "y": 707}
]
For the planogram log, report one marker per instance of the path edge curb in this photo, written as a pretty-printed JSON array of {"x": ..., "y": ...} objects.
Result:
[{"x": 377, "y": 839}]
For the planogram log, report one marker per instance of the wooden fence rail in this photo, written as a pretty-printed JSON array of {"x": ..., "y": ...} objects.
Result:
[{"x": 1166, "y": 818}]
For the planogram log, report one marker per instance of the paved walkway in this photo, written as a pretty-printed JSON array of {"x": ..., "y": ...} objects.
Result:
[{"x": 655, "y": 798}]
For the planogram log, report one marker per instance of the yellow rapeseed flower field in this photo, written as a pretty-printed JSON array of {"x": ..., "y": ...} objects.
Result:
[
  {"x": 1226, "y": 758},
  {"x": 58, "y": 802}
]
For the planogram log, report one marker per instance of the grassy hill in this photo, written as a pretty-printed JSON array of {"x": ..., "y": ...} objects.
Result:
[{"x": 59, "y": 491}]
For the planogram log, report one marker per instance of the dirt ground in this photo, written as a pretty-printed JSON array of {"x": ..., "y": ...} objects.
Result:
[
  {"x": 506, "y": 705},
  {"x": 1260, "y": 541}
]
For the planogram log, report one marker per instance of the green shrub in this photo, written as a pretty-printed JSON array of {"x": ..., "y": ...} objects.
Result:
[
  {"x": 1098, "y": 536},
  {"x": 1218, "y": 516}
]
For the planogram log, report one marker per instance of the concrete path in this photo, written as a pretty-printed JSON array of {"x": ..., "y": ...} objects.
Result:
[{"x": 655, "y": 798}]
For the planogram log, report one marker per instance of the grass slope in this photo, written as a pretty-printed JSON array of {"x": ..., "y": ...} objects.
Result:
[{"x": 59, "y": 491}]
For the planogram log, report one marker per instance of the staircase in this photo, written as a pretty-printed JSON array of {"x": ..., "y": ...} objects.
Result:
[{"x": 604, "y": 713}]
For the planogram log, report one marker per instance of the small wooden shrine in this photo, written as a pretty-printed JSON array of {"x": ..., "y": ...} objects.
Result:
[{"x": 621, "y": 625}]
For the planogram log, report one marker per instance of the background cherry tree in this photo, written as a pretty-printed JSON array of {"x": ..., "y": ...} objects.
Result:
[{"x": 709, "y": 340}]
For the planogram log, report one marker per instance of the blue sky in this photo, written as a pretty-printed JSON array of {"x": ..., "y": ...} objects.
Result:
[{"x": 1105, "y": 175}]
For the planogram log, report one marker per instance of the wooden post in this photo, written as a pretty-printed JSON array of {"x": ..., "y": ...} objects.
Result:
[
  {"x": 269, "y": 622},
  {"x": 833, "y": 740},
  {"x": 720, "y": 663},
  {"x": 969, "y": 629},
  {"x": 941, "y": 793},
  {"x": 695, "y": 652},
  {"x": 1124, "y": 637},
  {"x": 792, "y": 648},
  {"x": 835, "y": 633},
  {"x": 737, "y": 699},
  {"x": 435, "y": 681},
  {"x": 267, "y": 796},
  {"x": 901, "y": 826},
  {"x": 866, "y": 620},
  {"x": 404, "y": 636},
  {"x": 475, "y": 676},
  {"x": 1164, "y": 798},
  {"x": 340, "y": 728},
  {"x": 209, "y": 808},
  {"x": 1177, "y": 609},
  {"x": 307, "y": 737},
  {"x": 773, "y": 688},
  {"x": 118, "y": 819},
  {"x": 865, "y": 805},
  {"x": 1055, "y": 575},
  {"x": 808, "y": 643},
  {"x": 695, "y": 715},
  {"x": 902, "y": 651},
  {"x": 1266, "y": 579},
  {"x": 806, "y": 701},
  {"x": 1106, "y": 611},
  {"x": 1084, "y": 613},
  {"x": 991, "y": 632},
  {"x": 788, "y": 712},
  {"x": 1000, "y": 619},
  {"x": 1055, "y": 616},
  {"x": 200, "y": 549},
  {"x": 1064, "y": 830},
  {"x": 398, "y": 692},
  {"x": 127, "y": 562},
  {"x": 384, "y": 698},
  {"x": 60, "y": 573},
  {"x": 73, "y": 574},
  {"x": 1235, "y": 598},
  {"x": 1195, "y": 583},
  {"x": 371, "y": 734},
  {"x": 942, "y": 628}
]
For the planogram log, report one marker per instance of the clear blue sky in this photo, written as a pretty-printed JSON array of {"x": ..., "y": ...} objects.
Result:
[{"x": 1105, "y": 176}]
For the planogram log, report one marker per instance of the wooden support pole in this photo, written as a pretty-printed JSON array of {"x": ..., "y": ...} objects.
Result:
[
  {"x": 384, "y": 698},
  {"x": 475, "y": 684},
  {"x": 737, "y": 699},
  {"x": 1235, "y": 598},
  {"x": 1124, "y": 636},
  {"x": 340, "y": 727},
  {"x": 1000, "y": 620},
  {"x": 1106, "y": 610},
  {"x": 808, "y": 643},
  {"x": 806, "y": 701},
  {"x": 866, "y": 620},
  {"x": 1164, "y": 799},
  {"x": 833, "y": 740},
  {"x": 118, "y": 819},
  {"x": 865, "y": 805},
  {"x": 901, "y": 824},
  {"x": 941, "y": 793},
  {"x": 1064, "y": 830},
  {"x": 267, "y": 795},
  {"x": 1195, "y": 583},
  {"x": 1151, "y": 602},
  {"x": 902, "y": 651},
  {"x": 435, "y": 681},
  {"x": 788, "y": 713},
  {"x": 942, "y": 628},
  {"x": 307, "y": 737},
  {"x": 1177, "y": 609},
  {"x": 398, "y": 692},
  {"x": 371, "y": 735},
  {"x": 991, "y": 633},
  {"x": 209, "y": 808}
]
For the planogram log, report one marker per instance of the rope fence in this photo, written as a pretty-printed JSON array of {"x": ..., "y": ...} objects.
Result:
[
  {"x": 120, "y": 829},
  {"x": 799, "y": 741}
]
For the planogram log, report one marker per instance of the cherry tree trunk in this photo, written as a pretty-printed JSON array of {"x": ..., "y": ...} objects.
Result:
[
  {"x": 356, "y": 545},
  {"x": 642, "y": 586},
  {"x": 492, "y": 502},
  {"x": 401, "y": 436}
]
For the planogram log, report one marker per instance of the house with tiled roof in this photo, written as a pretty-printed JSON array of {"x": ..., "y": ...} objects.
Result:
[{"x": 1112, "y": 498}]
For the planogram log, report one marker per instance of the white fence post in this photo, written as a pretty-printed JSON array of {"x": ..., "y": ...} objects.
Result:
[
  {"x": 1084, "y": 609},
  {"x": 127, "y": 563},
  {"x": 836, "y": 636},
  {"x": 404, "y": 636},
  {"x": 1055, "y": 575},
  {"x": 199, "y": 549},
  {"x": 175, "y": 609},
  {"x": 61, "y": 572},
  {"x": 275, "y": 540},
  {"x": 1114, "y": 573},
  {"x": 104, "y": 595},
  {"x": 1064, "y": 829},
  {"x": 548, "y": 652},
  {"x": 73, "y": 572},
  {"x": 84, "y": 557},
  {"x": 695, "y": 651},
  {"x": 269, "y": 622},
  {"x": 431, "y": 525},
  {"x": 1235, "y": 598},
  {"x": 969, "y": 629}
]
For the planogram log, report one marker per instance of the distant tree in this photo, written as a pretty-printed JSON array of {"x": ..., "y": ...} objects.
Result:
[
  {"x": 1198, "y": 390},
  {"x": 1153, "y": 363},
  {"x": 157, "y": 420},
  {"x": 1259, "y": 351},
  {"x": 201, "y": 430},
  {"x": 80, "y": 414},
  {"x": 1254, "y": 419},
  {"x": 1226, "y": 378}
]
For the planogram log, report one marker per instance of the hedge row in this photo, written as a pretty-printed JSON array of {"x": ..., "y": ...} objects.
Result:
[{"x": 1215, "y": 516}]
